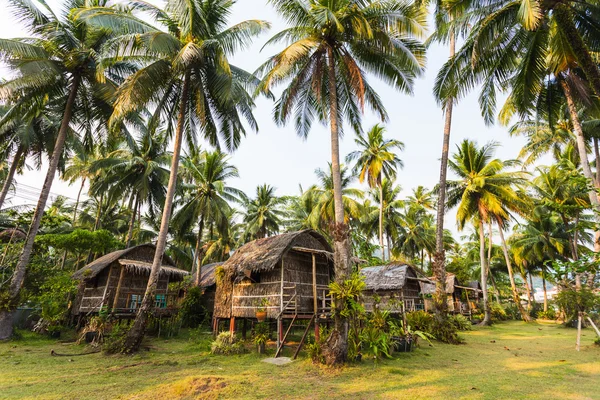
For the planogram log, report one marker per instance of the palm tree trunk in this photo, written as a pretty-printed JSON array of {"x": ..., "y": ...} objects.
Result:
[
  {"x": 489, "y": 257},
  {"x": 136, "y": 333},
  {"x": 336, "y": 348},
  {"x": 197, "y": 258},
  {"x": 7, "y": 310},
  {"x": 581, "y": 145},
  {"x": 487, "y": 319},
  {"x": 528, "y": 288},
  {"x": 439, "y": 260},
  {"x": 11, "y": 174},
  {"x": 132, "y": 221},
  {"x": 381, "y": 221},
  {"x": 389, "y": 245},
  {"x": 64, "y": 257},
  {"x": 545, "y": 291},
  {"x": 565, "y": 20},
  {"x": 511, "y": 277}
]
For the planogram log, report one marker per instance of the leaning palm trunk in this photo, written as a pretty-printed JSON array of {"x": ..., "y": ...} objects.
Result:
[
  {"x": 487, "y": 319},
  {"x": 7, "y": 311},
  {"x": 132, "y": 221},
  {"x": 197, "y": 267},
  {"x": 489, "y": 257},
  {"x": 11, "y": 174},
  {"x": 336, "y": 348},
  {"x": 381, "y": 222},
  {"x": 439, "y": 259},
  {"x": 136, "y": 333},
  {"x": 511, "y": 277}
]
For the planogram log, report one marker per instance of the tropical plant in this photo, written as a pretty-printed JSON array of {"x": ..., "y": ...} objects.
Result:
[
  {"x": 61, "y": 62},
  {"x": 185, "y": 73},
  {"x": 374, "y": 161},
  {"x": 331, "y": 46},
  {"x": 263, "y": 214}
]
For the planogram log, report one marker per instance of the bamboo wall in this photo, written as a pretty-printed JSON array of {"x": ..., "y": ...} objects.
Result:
[
  {"x": 102, "y": 289},
  {"x": 391, "y": 300}
]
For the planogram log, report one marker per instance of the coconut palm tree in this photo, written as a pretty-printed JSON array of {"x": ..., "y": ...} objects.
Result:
[
  {"x": 374, "y": 161},
  {"x": 205, "y": 195},
  {"x": 60, "y": 62},
  {"x": 484, "y": 192},
  {"x": 331, "y": 45},
  {"x": 185, "y": 73},
  {"x": 263, "y": 214}
]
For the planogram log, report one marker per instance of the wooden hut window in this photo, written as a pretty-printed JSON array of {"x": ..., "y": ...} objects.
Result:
[
  {"x": 135, "y": 301},
  {"x": 160, "y": 301}
]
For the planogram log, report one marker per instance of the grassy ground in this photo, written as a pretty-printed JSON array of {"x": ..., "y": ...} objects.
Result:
[{"x": 509, "y": 360}]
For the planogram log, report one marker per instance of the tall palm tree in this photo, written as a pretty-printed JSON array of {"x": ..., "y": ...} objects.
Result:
[
  {"x": 185, "y": 72},
  {"x": 331, "y": 46},
  {"x": 374, "y": 161},
  {"x": 264, "y": 213},
  {"x": 205, "y": 196},
  {"x": 59, "y": 62},
  {"x": 484, "y": 192}
]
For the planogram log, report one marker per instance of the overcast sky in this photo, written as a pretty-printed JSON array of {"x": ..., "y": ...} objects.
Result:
[{"x": 278, "y": 157}]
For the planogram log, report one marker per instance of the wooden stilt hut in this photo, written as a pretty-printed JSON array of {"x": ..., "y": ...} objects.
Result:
[
  {"x": 117, "y": 282},
  {"x": 208, "y": 283},
  {"x": 395, "y": 287},
  {"x": 454, "y": 292},
  {"x": 286, "y": 275}
]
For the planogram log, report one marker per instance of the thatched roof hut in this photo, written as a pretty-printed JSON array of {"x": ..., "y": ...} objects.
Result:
[
  {"x": 208, "y": 283},
  {"x": 275, "y": 269},
  {"x": 395, "y": 286},
  {"x": 118, "y": 280},
  {"x": 12, "y": 235},
  {"x": 451, "y": 284}
]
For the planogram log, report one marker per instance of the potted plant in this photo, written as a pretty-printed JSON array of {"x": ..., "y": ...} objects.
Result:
[
  {"x": 261, "y": 310},
  {"x": 261, "y": 336}
]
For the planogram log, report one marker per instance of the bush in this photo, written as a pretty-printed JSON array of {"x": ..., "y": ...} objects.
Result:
[
  {"x": 445, "y": 331},
  {"x": 114, "y": 342},
  {"x": 315, "y": 349},
  {"x": 192, "y": 312},
  {"x": 512, "y": 312},
  {"x": 498, "y": 312},
  {"x": 460, "y": 322},
  {"x": 550, "y": 314},
  {"x": 420, "y": 321},
  {"x": 226, "y": 344}
]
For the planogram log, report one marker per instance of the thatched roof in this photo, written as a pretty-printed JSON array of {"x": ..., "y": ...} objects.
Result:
[
  {"x": 138, "y": 258},
  {"x": 264, "y": 254},
  {"x": 207, "y": 274},
  {"x": 451, "y": 283},
  {"x": 12, "y": 234},
  {"x": 387, "y": 277}
]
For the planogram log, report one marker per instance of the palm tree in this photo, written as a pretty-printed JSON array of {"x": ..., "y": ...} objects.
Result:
[
  {"x": 374, "y": 161},
  {"x": 323, "y": 213},
  {"x": 484, "y": 192},
  {"x": 331, "y": 45},
  {"x": 61, "y": 63},
  {"x": 186, "y": 72},
  {"x": 205, "y": 196},
  {"x": 136, "y": 170},
  {"x": 263, "y": 215}
]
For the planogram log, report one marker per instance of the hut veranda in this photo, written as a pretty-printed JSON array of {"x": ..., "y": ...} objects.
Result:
[
  {"x": 117, "y": 282},
  {"x": 285, "y": 275}
]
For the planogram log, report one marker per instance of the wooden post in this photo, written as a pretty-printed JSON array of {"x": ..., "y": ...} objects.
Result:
[
  {"x": 281, "y": 290},
  {"x": 279, "y": 332},
  {"x": 315, "y": 300},
  {"x": 106, "y": 287},
  {"x": 118, "y": 291},
  {"x": 232, "y": 326}
]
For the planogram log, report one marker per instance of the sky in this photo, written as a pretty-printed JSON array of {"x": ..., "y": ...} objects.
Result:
[{"x": 276, "y": 156}]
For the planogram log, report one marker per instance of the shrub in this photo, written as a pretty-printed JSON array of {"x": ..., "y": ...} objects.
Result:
[
  {"x": 192, "y": 312},
  {"x": 420, "y": 321},
  {"x": 498, "y": 312},
  {"x": 114, "y": 342},
  {"x": 445, "y": 331},
  {"x": 315, "y": 349},
  {"x": 376, "y": 341},
  {"x": 550, "y": 314},
  {"x": 460, "y": 322},
  {"x": 512, "y": 312},
  {"x": 227, "y": 344}
]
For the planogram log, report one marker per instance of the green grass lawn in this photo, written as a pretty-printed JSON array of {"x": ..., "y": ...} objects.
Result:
[{"x": 509, "y": 360}]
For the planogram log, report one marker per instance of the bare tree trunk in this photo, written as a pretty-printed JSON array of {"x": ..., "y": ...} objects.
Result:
[
  {"x": 197, "y": 256},
  {"x": 137, "y": 331},
  {"x": 511, "y": 277},
  {"x": 11, "y": 174},
  {"x": 381, "y": 221},
  {"x": 439, "y": 259},
  {"x": 487, "y": 319},
  {"x": 64, "y": 257},
  {"x": 545, "y": 290},
  {"x": 528, "y": 288},
  {"x": 132, "y": 221},
  {"x": 336, "y": 347},
  {"x": 6, "y": 314},
  {"x": 496, "y": 291}
]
